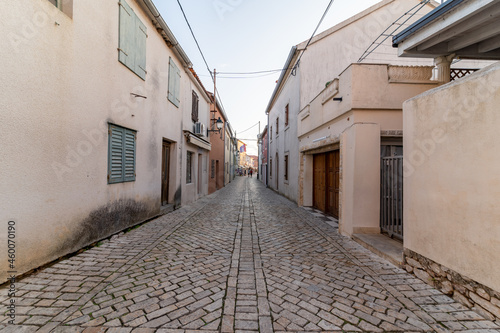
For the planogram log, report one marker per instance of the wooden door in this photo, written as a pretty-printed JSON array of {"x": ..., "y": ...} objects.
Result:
[
  {"x": 319, "y": 181},
  {"x": 333, "y": 183},
  {"x": 165, "y": 172}
]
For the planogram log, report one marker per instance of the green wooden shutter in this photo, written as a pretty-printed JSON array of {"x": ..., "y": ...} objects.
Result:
[
  {"x": 172, "y": 80},
  {"x": 178, "y": 86},
  {"x": 129, "y": 156},
  {"x": 115, "y": 154},
  {"x": 126, "y": 37},
  {"x": 140, "y": 47},
  {"x": 132, "y": 41},
  {"x": 121, "y": 154}
]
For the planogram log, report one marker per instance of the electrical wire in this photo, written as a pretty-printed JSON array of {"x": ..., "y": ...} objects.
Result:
[
  {"x": 196, "y": 41},
  {"x": 216, "y": 92},
  {"x": 250, "y": 73},
  {"x": 243, "y": 77},
  {"x": 248, "y": 128},
  {"x": 314, "y": 33}
]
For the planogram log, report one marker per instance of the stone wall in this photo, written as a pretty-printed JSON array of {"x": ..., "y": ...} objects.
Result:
[{"x": 470, "y": 293}]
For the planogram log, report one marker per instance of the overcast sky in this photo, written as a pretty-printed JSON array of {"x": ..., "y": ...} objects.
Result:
[{"x": 249, "y": 36}]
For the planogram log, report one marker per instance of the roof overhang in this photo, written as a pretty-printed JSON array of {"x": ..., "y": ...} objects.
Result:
[{"x": 470, "y": 29}]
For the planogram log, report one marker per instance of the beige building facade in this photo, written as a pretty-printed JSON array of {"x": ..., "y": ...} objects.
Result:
[
  {"x": 97, "y": 128},
  {"x": 451, "y": 211},
  {"x": 308, "y": 71},
  {"x": 343, "y": 134}
]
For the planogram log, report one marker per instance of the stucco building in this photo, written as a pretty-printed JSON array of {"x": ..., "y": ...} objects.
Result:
[
  {"x": 308, "y": 71},
  {"x": 98, "y": 133},
  {"x": 451, "y": 211},
  {"x": 218, "y": 163}
]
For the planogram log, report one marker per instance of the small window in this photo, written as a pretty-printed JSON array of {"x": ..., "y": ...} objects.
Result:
[
  {"x": 132, "y": 41},
  {"x": 270, "y": 167},
  {"x": 286, "y": 115},
  {"x": 121, "y": 154},
  {"x": 194, "y": 108},
  {"x": 189, "y": 167},
  {"x": 174, "y": 83},
  {"x": 286, "y": 167},
  {"x": 271, "y": 134},
  {"x": 212, "y": 170},
  {"x": 277, "y": 125}
]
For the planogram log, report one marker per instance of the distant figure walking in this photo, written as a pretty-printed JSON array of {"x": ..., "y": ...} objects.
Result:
[{"x": 251, "y": 173}]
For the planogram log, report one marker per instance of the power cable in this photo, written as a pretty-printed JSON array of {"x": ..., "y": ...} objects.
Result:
[
  {"x": 196, "y": 41},
  {"x": 202, "y": 55},
  {"x": 314, "y": 33},
  {"x": 248, "y": 129}
]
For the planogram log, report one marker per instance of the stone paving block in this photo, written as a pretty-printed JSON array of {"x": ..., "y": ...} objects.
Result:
[{"x": 242, "y": 259}]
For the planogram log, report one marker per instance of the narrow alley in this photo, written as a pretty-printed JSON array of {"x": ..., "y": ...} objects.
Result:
[{"x": 240, "y": 260}]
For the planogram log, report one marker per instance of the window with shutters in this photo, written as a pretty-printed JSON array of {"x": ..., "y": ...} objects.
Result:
[
  {"x": 121, "y": 154},
  {"x": 194, "y": 109},
  {"x": 277, "y": 125},
  {"x": 174, "y": 83},
  {"x": 212, "y": 170},
  {"x": 132, "y": 41},
  {"x": 189, "y": 167}
]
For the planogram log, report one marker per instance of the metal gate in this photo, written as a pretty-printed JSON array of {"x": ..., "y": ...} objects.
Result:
[{"x": 391, "y": 212}]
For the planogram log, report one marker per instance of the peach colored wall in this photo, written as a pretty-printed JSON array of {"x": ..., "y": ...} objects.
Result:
[
  {"x": 372, "y": 99},
  {"x": 216, "y": 154},
  {"x": 360, "y": 200},
  {"x": 452, "y": 179}
]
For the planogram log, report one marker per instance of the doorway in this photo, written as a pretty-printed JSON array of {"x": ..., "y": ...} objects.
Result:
[
  {"x": 165, "y": 172},
  {"x": 326, "y": 182},
  {"x": 200, "y": 173}
]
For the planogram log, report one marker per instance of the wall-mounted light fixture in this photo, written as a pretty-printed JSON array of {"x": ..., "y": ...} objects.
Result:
[{"x": 218, "y": 124}]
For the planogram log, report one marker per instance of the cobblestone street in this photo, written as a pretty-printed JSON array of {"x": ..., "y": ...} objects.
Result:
[{"x": 241, "y": 260}]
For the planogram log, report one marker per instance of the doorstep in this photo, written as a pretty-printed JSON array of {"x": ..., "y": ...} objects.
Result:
[{"x": 382, "y": 246}]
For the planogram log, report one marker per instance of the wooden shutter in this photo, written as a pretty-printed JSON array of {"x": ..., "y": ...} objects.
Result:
[
  {"x": 178, "y": 86},
  {"x": 129, "y": 156},
  {"x": 121, "y": 154},
  {"x": 126, "y": 37},
  {"x": 132, "y": 41},
  {"x": 173, "y": 83},
  {"x": 115, "y": 151},
  {"x": 140, "y": 47},
  {"x": 194, "y": 109}
]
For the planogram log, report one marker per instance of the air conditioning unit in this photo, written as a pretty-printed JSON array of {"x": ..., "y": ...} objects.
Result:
[{"x": 199, "y": 129}]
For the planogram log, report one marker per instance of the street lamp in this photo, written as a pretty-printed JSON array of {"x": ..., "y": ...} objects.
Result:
[{"x": 218, "y": 124}]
